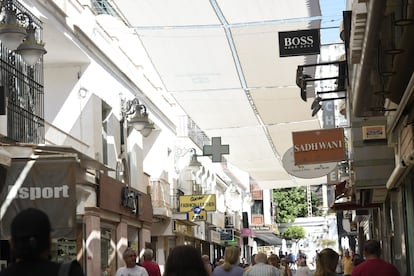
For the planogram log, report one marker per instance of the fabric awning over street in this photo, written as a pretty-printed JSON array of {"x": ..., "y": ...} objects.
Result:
[{"x": 269, "y": 238}]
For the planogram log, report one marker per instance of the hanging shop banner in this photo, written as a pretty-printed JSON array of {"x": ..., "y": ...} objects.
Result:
[
  {"x": 374, "y": 133},
  {"x": 197, "y": 215},
  {"x": 318, "y": 146},
  {"x": 298, "y": 43},
  {"x": 46, "y": 184},
  {"x": 305, "y": 171},
  {"x": 195, "y": 202},
  {"x": 215, "y": 236},
  {"x": 226, "y": 234}
]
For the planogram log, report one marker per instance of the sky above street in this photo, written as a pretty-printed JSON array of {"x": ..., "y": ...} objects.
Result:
[{"x": 331, "y": 19}]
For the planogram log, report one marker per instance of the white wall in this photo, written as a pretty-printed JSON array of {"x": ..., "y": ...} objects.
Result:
[{"x": 267, "y": 199}]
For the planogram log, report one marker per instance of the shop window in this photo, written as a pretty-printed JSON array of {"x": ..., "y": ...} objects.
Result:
[
  {"x": 154, "y": 247},
  {"x": 107, "y": 250},
  {"x": 63, "y": 250},
  {"x": 133, "y": 238},
  {"x": 103, "y": 7},
  {"x": 257, "y": 208}
]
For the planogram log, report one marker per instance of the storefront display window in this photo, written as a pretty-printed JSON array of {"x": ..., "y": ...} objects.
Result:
[
  {"x": 133, "y": 238},
  {"x": 63, "y": 250},
  {"x": 107, "y": 251}
]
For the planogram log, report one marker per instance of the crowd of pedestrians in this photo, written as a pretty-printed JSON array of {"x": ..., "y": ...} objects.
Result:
[{"x": 30, "y": 243}]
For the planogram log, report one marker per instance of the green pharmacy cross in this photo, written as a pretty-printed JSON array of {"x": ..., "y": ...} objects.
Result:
[{"x": 216, "y": 149}]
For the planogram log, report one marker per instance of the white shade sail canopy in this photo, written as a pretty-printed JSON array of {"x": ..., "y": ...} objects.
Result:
[{"x": 220, "y": 61}]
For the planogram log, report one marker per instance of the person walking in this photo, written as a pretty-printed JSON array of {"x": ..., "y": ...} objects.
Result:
[
  {"x": 347, "y": 263},
  {"x": 302, "y": 268},
  {"x": 373, "y": 264},
  {"x": 326, "y": 262},
  {"x": 131, "y": 268},
  {"x": 185, "y": 260},
  {"x": 150, "y": 266},
  {"x": 220, "y": 262},
  {"x": 30, "y": 243},
  {"x": 207, "y": 264},
  {"x": 261, "y": 268},
  {"x": 230, "y": 266},
  {"x": 357, "y": 259},
  {"x": 274, "y": 260}
]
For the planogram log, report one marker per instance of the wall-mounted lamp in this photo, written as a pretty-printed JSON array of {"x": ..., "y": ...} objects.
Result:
[
  {"x": 137, "y": 116},
  {"x": 189, "y": 162},
  {"x": 194, "y": 161},
  {"x": 317, "y": 103},
  {"x": 18, "y": 33}
]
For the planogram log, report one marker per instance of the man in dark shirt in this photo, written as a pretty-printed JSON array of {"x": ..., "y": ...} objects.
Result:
[
  {"x": 152, "y": 268},
  {"x": 30, "y": 244}
]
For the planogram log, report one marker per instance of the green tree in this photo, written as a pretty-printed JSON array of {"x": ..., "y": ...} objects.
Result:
[
  {"x": 294, "y": 232},
  {"x": 292, "y": 203}
]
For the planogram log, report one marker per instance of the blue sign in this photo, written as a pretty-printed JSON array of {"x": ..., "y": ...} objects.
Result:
[
  {"x": 197, "y": 210},
  {"x": 226, "y": 234}
]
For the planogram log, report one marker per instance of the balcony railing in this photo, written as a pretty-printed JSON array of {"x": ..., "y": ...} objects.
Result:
[
  {"x": 160, "y": 194},
  {"x": 187, "y": 127},
  {"x": 23, "y": 87},
  {"x": 24, "y": 126}
]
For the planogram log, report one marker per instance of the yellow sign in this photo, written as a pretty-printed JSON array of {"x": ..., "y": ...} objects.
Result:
[
  {"x": 202, "y": 216},
  {"x": 194, "y": 202}
]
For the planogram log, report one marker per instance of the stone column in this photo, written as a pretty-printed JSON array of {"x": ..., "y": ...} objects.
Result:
[
  {"x": 92, "y": 223},
  {"x": 144, "y": 237},
  {"x": 121, "y": 241}
]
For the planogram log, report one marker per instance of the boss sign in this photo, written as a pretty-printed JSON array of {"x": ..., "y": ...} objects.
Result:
[{"x": 296, "y": 43}]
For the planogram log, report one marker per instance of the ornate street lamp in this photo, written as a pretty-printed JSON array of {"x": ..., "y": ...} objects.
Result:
[
  {"x": 18, "y": 33},
  {"x": 137, "y": 116}
]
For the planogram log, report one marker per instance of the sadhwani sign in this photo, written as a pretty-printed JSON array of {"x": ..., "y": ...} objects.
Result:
[{"x": 318, "y": 146}]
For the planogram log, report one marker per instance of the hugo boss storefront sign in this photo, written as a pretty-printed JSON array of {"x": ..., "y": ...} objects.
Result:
[
  {"x": 297, "y": 43},
  {"x": 318, "y": 146},
  {"x": 116, "y": 197},
  {"x": 47, "y": 184}
]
